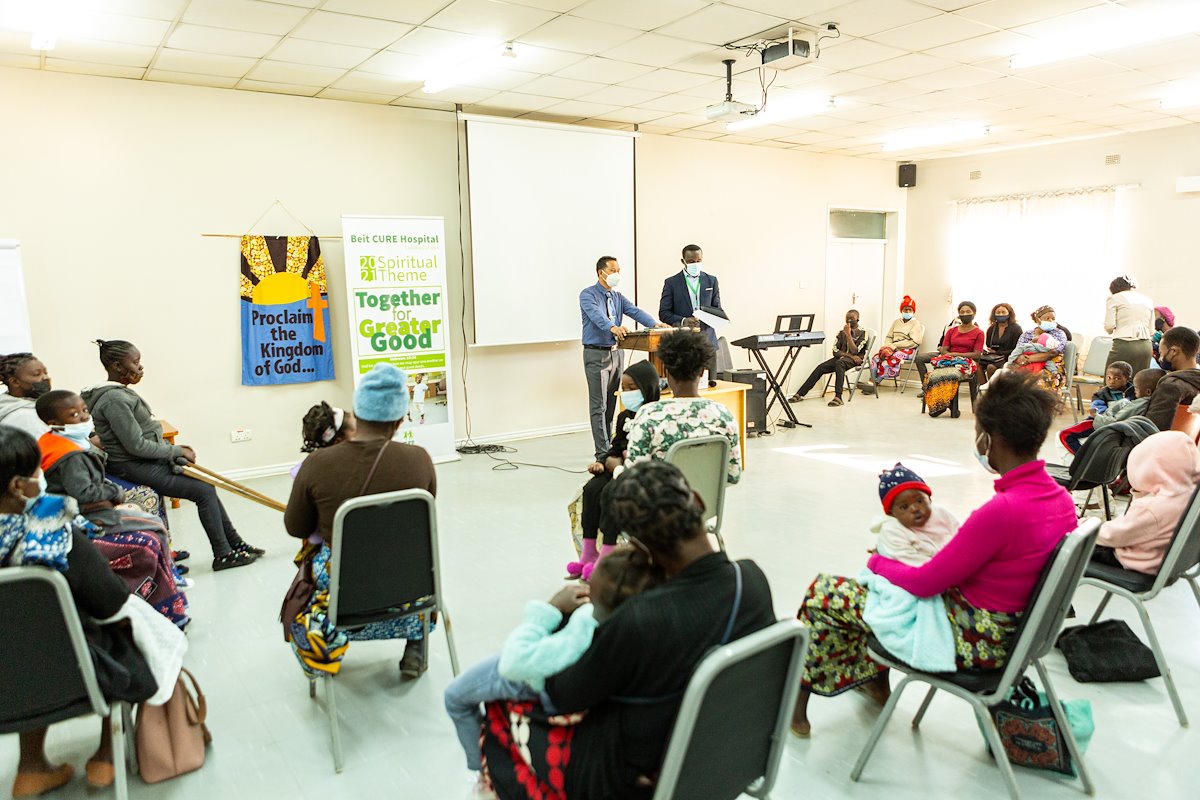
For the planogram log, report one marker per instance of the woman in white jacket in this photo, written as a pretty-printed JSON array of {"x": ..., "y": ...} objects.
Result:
[{"x": 1129, "y": 319}]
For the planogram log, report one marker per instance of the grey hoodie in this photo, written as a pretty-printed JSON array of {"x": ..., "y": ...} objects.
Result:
[
  {"x": 19, "y": 412},
  {"x": 125, "y": 425}
]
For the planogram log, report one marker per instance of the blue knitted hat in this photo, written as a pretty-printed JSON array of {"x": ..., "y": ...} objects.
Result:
[
  {"x": 896, "y": 480},
  {"x": 382, "y": 394}
]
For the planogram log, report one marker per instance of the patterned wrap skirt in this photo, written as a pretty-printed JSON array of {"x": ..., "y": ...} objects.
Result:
[
  {"x": 837, "y": 656},
  {"x": 143, "y": 497},
  {"x": 888, "y": 368},
  {"x": 527, "y": 752},
  {"x": 941, "y": 384},
  {"x": 142, "y": 560},
  {"x": 319, "y": 647}
]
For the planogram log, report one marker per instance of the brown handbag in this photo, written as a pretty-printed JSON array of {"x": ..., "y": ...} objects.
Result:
[
  {"x": 300, "y": 593},
  {"x": 171, "y": 738}
]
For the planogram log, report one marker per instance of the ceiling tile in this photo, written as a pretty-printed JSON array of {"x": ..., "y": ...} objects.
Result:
[
  {"x": 932, "y": 32},
  {"x": 490, "y": 19},
  {"x": 302, "y": 74},
  {"x": 324, "y": 26},
  {"x": 855, "y": 54},
  {"x": 949, "y": 5},
  {"x": 222, "y": 42},
  {"x": 579, "y": 108},
  {"x": 356, "y": 97},
  {"x": 441, "y": 44},
  {"x": 787, "y": 9},
  {"x": 93, "y": 68},
  {"x": 695, "y": 133},
  {"x": 581, "y": 36},
  {"x": 457, "y": 94},
  {"x": 1077, "y": 69},
  {"x": 858, "y": 112},
  {"x": 867, "y": 17},
  {"x": 998, "y": 44},
  {"x": 166, "y": 76},
  {"x": 126, "y": 30},
  {"x": 542, "y": 116},
  {"x": 677, "y": 104},
  {"x": 151, "y": 9},
  {"x": 519, "y": 101},
  {"x": 603, "y": 70},
  {"x": 558, "y": 6},
  {"x": 544, "y": 60},
  {"x": 398, "y": 65},
  {"x": 712, "y": 62},
  {"x": 20, "y": 61},
  {"x": 633, "y": 115},
  {"x": 421, "y": 102},
  {"x": 359, "y": 81},
  {"x": 1183, "y": 49},
  {"x": 719, "y": 24},
  {"x": 124, "y": 55},
  {"x": 656, "y": 51},
  {"x": 1011, "y": 13},
  {"x": 953, "y": 78},
  {"x": 279, "y": 88},
  {"x": 564, "y": 88},
  {"x": 321, "y": 54},
  {"x": 411, "y": 11},
  {"x": 243, "y": 15},
  {"x": 681, "y": 121},
  {"x": 492, "y": 110},
  {"x": 841, "y": 83},
  {"x": 499, "y": 80},
  {"x": 638, "y": 14},
  {"x": 203, "y": 63},
  {"x": 991, "y": 89},
  {"x": 654, "y": 128},
  {"x": 620, "y": 96},
  {"x": 667, "y": 80},
  {"x": 1096, "y": 18},
  {"x": 904, "y": 67},
  {"x": 886, "y": 92}
]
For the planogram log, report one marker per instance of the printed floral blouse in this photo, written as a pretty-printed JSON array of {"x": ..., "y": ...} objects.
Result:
[{"x": 659, "y": 425}]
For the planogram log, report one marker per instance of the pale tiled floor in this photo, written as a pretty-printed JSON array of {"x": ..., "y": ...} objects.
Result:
[{"x": 802, "y": 508}]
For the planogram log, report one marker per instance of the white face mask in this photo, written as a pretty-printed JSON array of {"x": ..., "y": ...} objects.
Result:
[
  {"x": 982, "y": 457},
  {"x": 613, "y": 280},
  {"x": 79, "y": 433},
  {"x": 692, "y": 270}
]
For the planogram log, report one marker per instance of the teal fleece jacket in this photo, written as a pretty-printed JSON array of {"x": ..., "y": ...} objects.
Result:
[{"x": 536, "y": 649}]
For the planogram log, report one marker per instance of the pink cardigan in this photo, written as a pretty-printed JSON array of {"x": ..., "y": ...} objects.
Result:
[{"x": 999, "y": 552}]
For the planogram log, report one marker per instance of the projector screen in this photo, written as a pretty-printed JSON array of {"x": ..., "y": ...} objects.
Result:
[{"x": 546, "y": 202}]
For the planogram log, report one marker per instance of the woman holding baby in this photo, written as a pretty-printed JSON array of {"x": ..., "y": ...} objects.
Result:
[{"x": 984, "y": 574}]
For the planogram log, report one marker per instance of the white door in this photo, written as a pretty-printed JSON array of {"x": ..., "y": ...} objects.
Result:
[{"x": 853, "y": 279}]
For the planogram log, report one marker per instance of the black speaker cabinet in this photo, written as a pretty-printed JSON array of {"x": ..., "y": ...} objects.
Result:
[
  {"x": 756, "y": 398},
  {"x": 908, "y": 175}
]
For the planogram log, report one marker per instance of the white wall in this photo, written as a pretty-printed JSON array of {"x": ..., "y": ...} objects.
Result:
[
  {"x": 1162, "y": 247},
  {"x": 109, "y": 183}
]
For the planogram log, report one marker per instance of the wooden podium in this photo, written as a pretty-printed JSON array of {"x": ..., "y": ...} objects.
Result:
[{"x": 647, "y": 341}]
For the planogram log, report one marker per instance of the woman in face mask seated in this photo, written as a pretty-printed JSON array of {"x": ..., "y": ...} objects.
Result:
[
  {"x": 26, "y": 379},
  {"x": 639, "y": 385},
  {"x": 984, "y": 575},
  {"x": 899, "y": 344},
  {"x": 1040, "y": 351},
  {"x": 956, "y": 360}
]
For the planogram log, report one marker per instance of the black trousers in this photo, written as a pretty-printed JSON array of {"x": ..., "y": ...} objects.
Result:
[
  {"x": 837, "y": 366},
  {"x": 595, "y": 518},
  {"x": 222, "y": 536}
]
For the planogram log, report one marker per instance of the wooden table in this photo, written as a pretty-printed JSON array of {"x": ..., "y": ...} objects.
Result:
[
  {"x": 732, "y": 396},
  {"x": 169, "y": 433}
]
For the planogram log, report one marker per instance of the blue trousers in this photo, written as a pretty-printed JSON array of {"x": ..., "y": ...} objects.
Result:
[{"x": 466, "y": 694}]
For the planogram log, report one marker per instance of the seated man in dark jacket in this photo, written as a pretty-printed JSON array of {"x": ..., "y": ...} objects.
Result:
[{"x": 1177, "y": 354}]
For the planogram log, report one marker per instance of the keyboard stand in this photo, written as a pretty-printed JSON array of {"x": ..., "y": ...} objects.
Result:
[{"x": 777, "y": 379}]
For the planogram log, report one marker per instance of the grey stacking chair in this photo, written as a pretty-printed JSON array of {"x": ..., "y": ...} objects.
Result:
[
  {"x": 54, "y": 679},
  {"x": 854, "y": 375},
  {"x": 1034, "y": 639},
  {"x": 1180, "y": 562},
  {"x": 732, "y": 726},
  {"x": 704, "y": 462},
  {"x": 1093, "y": 370},
  {"x": 384, "y": 567}
]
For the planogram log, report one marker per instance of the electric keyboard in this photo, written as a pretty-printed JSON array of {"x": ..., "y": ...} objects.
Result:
[{"x": 764, "y": 340}]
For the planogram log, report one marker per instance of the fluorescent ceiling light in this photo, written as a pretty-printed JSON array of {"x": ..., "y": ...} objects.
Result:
[
  {"x": 46, "y": 20},
  {"x": 1181, "y": 97},
  {"x": 1138, "y": 29},
  {"x": 929, "y": 137},
  {"x": 782, "y": 111},
  {"x": 470, "y": 68}
]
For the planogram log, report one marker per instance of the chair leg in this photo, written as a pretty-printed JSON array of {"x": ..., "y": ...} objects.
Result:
[
  {"x": 450, "y": 640},
  {"x": 116, "y": 722},
  {"x": 988, "y": 725},
  {"x": 828, "y": 381},
  {"x": 312, "y": 687},
  {"x": 334, "y": 731},
  {"x": 888, "y": 709},
  {"x": 1107, "y": 504},
  {"x": 1086, "y": 502},
  {"x": 1161, "y": 659},
  {"x": 916, "y": 723},
  {"x": 1064, "y": 727},
  {"x": 130, "y": 739},
  {"x": 425, "y": 636},
  {"x": 1100, "y": 608},
  {"x": 1191, "y": 579}
]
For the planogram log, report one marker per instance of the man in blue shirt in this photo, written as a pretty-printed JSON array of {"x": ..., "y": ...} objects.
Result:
[
  {"x": 684, "y": 292},
  {"x": 602, "y": 308}
]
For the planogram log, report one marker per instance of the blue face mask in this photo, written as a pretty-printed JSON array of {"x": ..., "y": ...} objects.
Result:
[
  {"x": 1048, "y": 325},
  {"x": 982, "y": 457},
  {"x": 906, "y": 316},
  {"x": 632, "y": 400},
  {"x": 692, "y": 270},
  {"x": 30, "y": 502},
  {"x": 79, "y": 433}
]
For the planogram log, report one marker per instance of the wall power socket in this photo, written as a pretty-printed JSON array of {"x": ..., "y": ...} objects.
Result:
[{"x": 240, "y": 435}]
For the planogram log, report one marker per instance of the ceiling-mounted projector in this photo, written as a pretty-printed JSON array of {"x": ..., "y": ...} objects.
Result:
[
  {"x": 792, "y": 52},
  {"x": 729, "y": 111}
]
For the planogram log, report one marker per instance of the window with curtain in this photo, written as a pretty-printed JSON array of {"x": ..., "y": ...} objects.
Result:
[{"x": 1053, "y": 248}]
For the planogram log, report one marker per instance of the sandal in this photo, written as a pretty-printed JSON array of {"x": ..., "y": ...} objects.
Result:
[
  {"x": 100, "y": 774},
  {"x": 837, "y": 401},
  {"x": 33, "y": 784}
]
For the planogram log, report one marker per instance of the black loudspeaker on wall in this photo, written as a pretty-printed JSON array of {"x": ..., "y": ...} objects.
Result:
[
  {"x": 756, "y": 398},
  {"x": 908, "y": 175}
]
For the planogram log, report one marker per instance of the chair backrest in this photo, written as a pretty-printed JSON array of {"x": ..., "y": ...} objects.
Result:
[
  {"x": 1102, "y": 457},
  {"x": 1097, "y": 356},
  {"x": 724, "y": 357},
  {"x": 1184, "y": 551},
  {"x": 51, "y": 670},
  {"x": 870, "y": 351},
  {"x": 704, "y": 462},
  {"x": 1049, "y": 602},
  {"x": 1070, "y": 359},
  {"x": 732, "y": 725},
  {"x": 1187, "y": 422},
  {"x": 385, "y": 555}
]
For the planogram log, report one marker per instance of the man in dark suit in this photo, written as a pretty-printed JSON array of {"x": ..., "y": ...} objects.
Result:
[{"x": 687, "y": 290}]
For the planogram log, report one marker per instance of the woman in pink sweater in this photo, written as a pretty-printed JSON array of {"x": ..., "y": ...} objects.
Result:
[
  {"x": 985, "y": 574},
  {"x": 1163, "y": 471}
]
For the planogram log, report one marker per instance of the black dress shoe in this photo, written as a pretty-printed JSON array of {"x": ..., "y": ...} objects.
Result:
[{"x": 796, "y": 398}]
